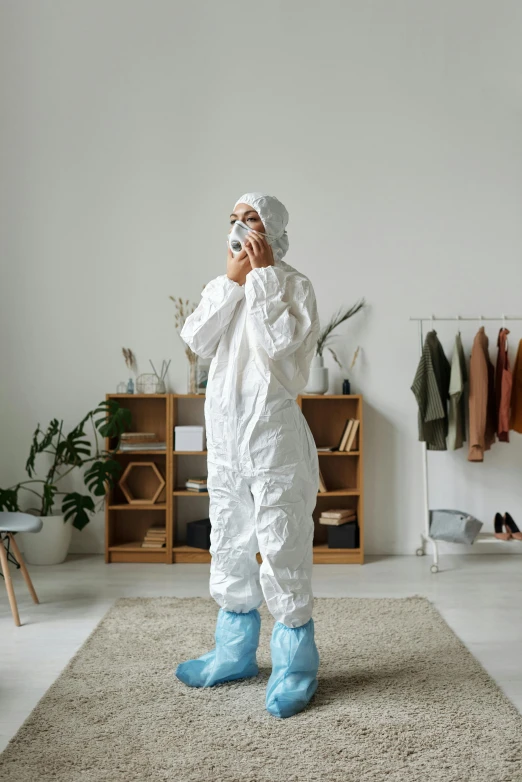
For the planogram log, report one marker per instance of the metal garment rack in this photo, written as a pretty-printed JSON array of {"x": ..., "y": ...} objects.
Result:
[{"x": 432, "y": 319}]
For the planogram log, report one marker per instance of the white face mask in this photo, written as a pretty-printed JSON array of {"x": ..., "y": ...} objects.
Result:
[{"x": 237, "y": 236}]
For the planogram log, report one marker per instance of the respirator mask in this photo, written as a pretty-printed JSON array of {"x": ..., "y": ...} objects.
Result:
[{"x": 238, "y": 234}]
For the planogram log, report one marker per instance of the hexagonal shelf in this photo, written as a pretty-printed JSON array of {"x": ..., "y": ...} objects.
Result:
[{"x": 141, "y": 483}]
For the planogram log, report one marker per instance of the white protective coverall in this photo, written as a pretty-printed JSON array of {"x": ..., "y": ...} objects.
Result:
[{"x": 263, "y": 469}]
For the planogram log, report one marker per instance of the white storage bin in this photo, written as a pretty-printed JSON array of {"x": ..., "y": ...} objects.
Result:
[{"x": 189, "y": 438}]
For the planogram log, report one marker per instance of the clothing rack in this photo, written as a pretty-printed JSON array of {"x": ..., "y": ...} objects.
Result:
[{"x": 432, "y": 319}]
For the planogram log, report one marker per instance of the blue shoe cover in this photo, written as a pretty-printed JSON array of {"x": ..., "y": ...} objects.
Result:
[
  {"x": 234, "y": 656},
  {"x": 295, "y": 662}
]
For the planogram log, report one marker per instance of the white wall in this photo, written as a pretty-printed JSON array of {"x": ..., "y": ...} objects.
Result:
[{"x": 390, "y": 129}]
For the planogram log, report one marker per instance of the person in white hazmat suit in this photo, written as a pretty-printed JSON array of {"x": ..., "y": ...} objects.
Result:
[{"x": 259, "y": 324}]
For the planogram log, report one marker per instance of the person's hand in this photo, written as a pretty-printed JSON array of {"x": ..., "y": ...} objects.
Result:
[
  {"x": 258, "y": 250},
  {"x": 238, "y": 266}
]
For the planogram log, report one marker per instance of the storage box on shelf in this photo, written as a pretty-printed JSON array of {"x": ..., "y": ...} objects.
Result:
[{"x": 126, "y": 524}]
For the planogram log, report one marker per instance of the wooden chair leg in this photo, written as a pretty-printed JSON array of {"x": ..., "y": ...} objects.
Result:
[
  {"x": 23, "y": 567},
  {"x": 9, "y": 583}
]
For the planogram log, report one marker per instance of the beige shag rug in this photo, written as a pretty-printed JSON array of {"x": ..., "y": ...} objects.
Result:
[{"x": 400, "y": 699}]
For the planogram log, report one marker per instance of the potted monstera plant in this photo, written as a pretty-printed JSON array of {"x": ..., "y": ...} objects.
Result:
[{"x": 55, "y": 455}]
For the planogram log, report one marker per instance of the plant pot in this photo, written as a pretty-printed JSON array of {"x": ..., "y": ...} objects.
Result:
[
  {"x": 318, "y": 378},
  {"x": 50, "y": 545}
]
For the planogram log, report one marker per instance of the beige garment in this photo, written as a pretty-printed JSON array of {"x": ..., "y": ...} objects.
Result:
[{"x": 482, "y": 411}]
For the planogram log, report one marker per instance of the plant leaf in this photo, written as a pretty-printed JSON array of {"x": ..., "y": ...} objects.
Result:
[
  {"x": 77, "y": 507},
  {"x": 74, "y": 448},
  {"x": 40, "y": 445},
  {"x": 102, "y": 475},
  {"x": 115, "y": 421},
  {"x": 9, "y": 500}
]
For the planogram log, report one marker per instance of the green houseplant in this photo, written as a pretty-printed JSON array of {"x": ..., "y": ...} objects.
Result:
[{"x": 72, "y": 452}]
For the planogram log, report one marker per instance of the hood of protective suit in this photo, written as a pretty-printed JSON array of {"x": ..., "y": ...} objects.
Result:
[{"x": 274, "y": 217}]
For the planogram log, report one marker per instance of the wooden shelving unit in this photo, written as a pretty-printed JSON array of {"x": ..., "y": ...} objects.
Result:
[{"x": 126, "y": 525}]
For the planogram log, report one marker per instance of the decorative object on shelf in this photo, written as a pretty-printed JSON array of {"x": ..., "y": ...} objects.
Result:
[
  {"x": 121, "y": 388},
  {"x": 202, "y": 370},
  {"x": 149, "y": 383},
  {"x": 346, "y": 381},
  {"x": 344, "y": 536},
  {"x": 130, "y": 361},
  {"x": 192, "y": 374},
  {"x": 198, "y": 533},
  {"x": 318, "y": 379},
  {"x": 181, "y": 314},
  {"x": 145, "y": 489},
  {"x": 69, "y": 453},
  {"x": 188, "y": 438}
]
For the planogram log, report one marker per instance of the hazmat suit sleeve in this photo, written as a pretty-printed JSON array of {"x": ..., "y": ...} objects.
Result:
[
  {"x": 282, "y": 309},
  {"x": 204, "y": 327}
]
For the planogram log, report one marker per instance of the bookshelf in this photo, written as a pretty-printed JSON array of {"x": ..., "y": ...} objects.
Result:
[{"x": 126, "y": 524}]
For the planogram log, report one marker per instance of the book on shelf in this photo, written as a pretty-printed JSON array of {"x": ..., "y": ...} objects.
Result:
[
  {"x": 143, "y": 446},
  {"x": 326, "y": 447},
  {"x": 346, "y": 433},
  {"x": 322, "y": 484},
  {"x": 138, "y": 437},
  {"x": 196, "y": 484},
  {"x": 347, "y": 438},
  {"x": 155, "y": 537},
  {"x": 336, "y": 518},
  {"x": 351, "y": 436}
]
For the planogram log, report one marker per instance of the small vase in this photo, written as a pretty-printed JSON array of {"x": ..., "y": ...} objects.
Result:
[
  {"x": 346, "y": 386},
  {"x": 192, "y": 376},
  {"x": 318, "y": 378}
]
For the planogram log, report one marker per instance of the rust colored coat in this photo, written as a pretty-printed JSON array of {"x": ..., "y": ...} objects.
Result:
[
  {"x": 503, "y": 384},
  {"x": 482, "y": 409}
]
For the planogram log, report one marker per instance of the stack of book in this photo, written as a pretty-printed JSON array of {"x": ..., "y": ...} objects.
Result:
[
  {"x": 141, "y": 441},
  {"x": 196, "y": 484},
  {"x": 337, "y": 516},
  {"x": 347, "y": 440},
  {"x": 156, "y": 537}
]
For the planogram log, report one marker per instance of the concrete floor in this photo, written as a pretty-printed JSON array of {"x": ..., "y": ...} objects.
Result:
[{"x": 479, "y": 597}]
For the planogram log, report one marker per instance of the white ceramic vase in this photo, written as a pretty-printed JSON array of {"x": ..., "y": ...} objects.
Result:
[
  {"x": 50, "y": 545},
  {"x": 318, "y": 378}
]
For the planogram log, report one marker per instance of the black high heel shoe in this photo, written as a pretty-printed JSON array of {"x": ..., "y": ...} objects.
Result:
[
  {"x": 499, "y": 524},
  {"x": 512, "y": 527}
]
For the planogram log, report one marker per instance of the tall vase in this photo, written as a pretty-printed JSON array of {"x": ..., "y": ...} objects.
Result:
[
  {"x": 192, "y": 375},
  {"x": 318, "y": 378}
]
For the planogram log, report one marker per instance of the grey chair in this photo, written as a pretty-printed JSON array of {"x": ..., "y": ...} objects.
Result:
[{"x": 10, "y": 523}]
